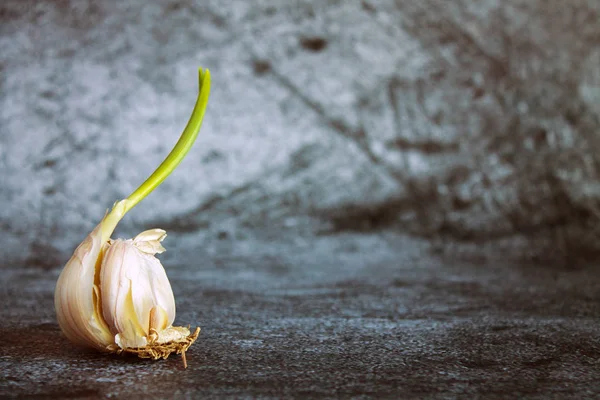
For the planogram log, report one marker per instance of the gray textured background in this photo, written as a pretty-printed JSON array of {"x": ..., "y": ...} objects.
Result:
[{"x": 385, "y": 196}]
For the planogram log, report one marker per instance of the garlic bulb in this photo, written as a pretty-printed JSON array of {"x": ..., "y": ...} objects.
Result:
[{"x": 114, "y": 295}]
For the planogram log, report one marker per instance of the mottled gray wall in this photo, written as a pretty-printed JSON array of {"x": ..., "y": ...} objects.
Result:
[{"x": 456, "y": 120}]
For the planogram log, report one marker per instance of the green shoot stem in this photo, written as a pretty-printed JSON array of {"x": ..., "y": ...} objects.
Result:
[{"x": 182, "y": 147}]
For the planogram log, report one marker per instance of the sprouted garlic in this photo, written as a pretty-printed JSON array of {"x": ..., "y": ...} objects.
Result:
[{"x": 114, "y": 295}]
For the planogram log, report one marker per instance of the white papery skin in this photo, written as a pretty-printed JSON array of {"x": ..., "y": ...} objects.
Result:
[{"x": 116, "y": 294}]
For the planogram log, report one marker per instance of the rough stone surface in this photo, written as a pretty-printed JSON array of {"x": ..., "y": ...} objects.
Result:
[
  {"x": 351, "y": 151},
  {"x": 473, "y": 122},
  {"x": 340, "y": 316}
]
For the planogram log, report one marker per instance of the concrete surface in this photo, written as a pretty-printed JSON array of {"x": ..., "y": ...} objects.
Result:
[
  {"x": 340, "y": 316},
  {"x": 348, "y": 222},
  {"x": 481, "y": 117}
]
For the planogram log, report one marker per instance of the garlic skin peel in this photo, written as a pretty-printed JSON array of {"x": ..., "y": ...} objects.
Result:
[{"x": 114, "y": 295}]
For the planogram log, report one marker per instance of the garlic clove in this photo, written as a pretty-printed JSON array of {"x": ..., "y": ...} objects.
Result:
[
  {"x": 135, "y": 288},
  {"x": 77, "y": 299}
]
